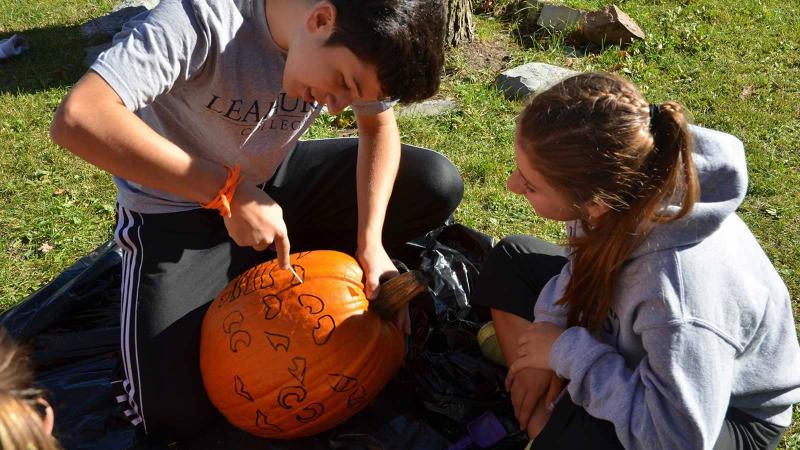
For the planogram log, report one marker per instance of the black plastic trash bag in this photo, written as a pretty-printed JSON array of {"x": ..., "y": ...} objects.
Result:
[
  {"x": 446, "y": 395},
  {"x": 454, "y": 382},
  {"x": 72, "y": 326}
]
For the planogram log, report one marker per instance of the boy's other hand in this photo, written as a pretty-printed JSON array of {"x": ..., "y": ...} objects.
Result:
[
  {"x": 379, "y": 267},
  {"x": 257, "y": 221}
]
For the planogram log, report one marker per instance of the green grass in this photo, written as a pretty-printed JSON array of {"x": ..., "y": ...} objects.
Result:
[
  {"x": 49, "y": 196},
  {"x": 735, "y": 65}
]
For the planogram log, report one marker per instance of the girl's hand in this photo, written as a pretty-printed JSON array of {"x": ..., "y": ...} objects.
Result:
[
  {"x": 534, "y": 345},
  {"x": 533, "y": 392}
]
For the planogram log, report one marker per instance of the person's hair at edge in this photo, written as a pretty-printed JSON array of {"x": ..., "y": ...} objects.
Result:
[
  {"x": 21, "y": 416},
  {"x": 403, "y": 39},
  {"x": 591, "y": 137}
]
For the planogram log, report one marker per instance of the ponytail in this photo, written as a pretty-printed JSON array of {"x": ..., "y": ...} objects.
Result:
[{"x": 673, "y": 153}]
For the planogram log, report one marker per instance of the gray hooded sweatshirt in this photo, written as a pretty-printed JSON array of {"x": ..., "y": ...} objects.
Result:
[{"x": 701, "y": 322}]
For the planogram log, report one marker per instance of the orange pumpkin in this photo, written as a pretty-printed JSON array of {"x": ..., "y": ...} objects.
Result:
[{"x": 284, "y": 359}]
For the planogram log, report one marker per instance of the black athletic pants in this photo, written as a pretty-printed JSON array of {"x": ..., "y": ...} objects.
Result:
[
  {"x": 174, "y": 264},
  {"x": 519, "y": 267}
]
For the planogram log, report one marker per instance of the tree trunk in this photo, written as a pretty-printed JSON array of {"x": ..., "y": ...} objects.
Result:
[{"x": 460, "y": 28}]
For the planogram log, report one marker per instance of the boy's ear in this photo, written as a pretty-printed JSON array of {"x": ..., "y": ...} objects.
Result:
[{"x": 321, "y": 18}]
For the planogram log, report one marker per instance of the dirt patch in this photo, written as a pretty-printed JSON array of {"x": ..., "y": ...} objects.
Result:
[
  {"x": 491, "y": 55},
  {"x": 480, "y": 57}
]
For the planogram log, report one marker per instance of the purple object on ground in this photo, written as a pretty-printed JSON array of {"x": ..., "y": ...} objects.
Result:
[
  {"x": 12, "y": 46},
  {"x": 482, "y": 432}
]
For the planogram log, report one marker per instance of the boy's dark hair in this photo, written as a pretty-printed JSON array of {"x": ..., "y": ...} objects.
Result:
[{"x": 403, "y": 39}]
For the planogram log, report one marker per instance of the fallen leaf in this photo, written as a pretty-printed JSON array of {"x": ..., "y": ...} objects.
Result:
[
  {"x": 59, "y": 191},
  {"x": 46, "y": 247},
  {"x": 746, "y": 93}
]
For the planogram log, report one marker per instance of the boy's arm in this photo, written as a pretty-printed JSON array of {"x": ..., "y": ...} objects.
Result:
[
  {"x": 378, "y": 160},
  {"x": 93, "y": 123}
]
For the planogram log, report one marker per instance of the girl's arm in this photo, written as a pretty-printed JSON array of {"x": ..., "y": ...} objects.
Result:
[{"x": 675, "y": 397}]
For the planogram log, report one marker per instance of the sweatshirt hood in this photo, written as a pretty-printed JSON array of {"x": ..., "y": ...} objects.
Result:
[{"x": 722, "y": 171}]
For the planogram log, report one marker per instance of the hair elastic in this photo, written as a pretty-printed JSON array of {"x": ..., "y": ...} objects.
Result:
[
  {"x": 222, "y": 202},
  {"x": 655, "y": 110}
]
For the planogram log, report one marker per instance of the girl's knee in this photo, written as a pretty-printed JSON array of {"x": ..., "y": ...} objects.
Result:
[{"x": 502, "y": 255}]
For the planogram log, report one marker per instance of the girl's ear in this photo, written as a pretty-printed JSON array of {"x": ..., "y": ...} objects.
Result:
[
  {"x": 321, "y": 18},
  {"x": 49, "y": 418},
  {"x": 595, "y": 210}
]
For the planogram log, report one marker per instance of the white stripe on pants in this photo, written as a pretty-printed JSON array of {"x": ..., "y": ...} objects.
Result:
[{"x": 128, "y": 237}]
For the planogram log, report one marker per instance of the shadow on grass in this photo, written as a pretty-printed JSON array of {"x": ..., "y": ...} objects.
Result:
[{"x": 54, "y": 60}]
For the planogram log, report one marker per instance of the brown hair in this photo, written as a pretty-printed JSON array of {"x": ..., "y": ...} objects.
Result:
[
  {"x": 21, "y": 425},
  {"x": 592, "y": 138}
]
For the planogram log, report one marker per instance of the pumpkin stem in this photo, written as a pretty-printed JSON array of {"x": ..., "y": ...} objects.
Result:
[{"x": 397, "y": 292}]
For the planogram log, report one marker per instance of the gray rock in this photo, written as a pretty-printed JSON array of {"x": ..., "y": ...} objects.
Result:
[
  {"x": 530, "y": 79},
  {"x": 557, "y": 17},
  {"x": 93, "y": 52},
  {"x": 108, "y": 25},
  {"x": 434, "y": 107},
  {"x": 149, "y": 4},
  {"x": 609, "y": 25}
]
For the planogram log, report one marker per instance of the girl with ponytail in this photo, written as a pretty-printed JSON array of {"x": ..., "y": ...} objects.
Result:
[{"x": 662, "y": 324}]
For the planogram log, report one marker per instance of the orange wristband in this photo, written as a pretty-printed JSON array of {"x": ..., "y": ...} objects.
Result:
[{"x": 222, "y": 202}]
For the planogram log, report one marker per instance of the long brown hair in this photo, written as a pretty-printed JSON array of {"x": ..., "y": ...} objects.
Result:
[
  {"x": 592, "y": 138},
  {"x": 21, "y": 423}
]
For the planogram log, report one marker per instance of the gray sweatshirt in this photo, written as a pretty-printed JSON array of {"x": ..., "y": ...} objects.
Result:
[
  {"x": 701, "y": 322},
  {"x": 206, "y": 74}
]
